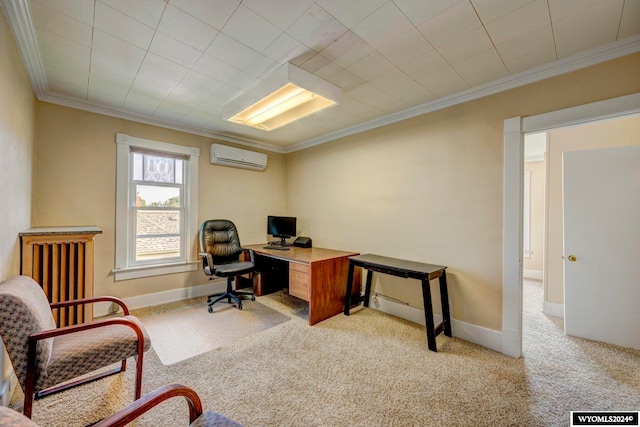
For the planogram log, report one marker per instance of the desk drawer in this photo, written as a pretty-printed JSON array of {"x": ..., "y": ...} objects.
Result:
[
  {"x": 302, "y": 268},
  {"x": 299, "y": 284}
]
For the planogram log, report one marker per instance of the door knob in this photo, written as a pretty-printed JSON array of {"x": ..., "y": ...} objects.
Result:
[{"x": 572, "y": 258}]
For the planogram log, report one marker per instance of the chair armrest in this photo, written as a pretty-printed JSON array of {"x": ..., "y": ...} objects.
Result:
[
  {"x": 251, "y": 254},
  {"x": 145, "y": 403},
  {"x": 115, "y": 300},
  {"x": 208, "y": 263}
]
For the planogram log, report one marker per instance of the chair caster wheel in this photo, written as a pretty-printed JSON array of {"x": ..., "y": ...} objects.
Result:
[
  {"x": 240, "y": 307},
  {"x": 253, "y": 298},
  {"x": 210, "y": 309}
]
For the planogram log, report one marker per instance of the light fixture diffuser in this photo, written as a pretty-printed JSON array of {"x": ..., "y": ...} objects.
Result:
[{"x": 287, "y": 95}]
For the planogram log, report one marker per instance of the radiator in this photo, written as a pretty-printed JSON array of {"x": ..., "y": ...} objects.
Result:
[{"x": 63, "y": 265}]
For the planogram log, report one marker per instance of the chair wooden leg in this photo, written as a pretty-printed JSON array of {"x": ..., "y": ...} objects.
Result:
[
  {"x": 139, "y": 375},
  {"x": 124, "y": 365},
  {"x": 28, "y": 404}
]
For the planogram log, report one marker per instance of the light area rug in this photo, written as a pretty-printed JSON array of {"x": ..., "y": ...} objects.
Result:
[{"x": 185, "y": 329}]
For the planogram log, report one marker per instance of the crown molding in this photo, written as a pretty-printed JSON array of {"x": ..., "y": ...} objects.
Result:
[
  {"x": 18, "y": 16},
  {"x": 141, "y": 118},
  {"x": 562, "y": 66}
]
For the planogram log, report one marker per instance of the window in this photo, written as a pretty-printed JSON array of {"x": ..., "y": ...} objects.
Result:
[{"x": 156, "y": 207}]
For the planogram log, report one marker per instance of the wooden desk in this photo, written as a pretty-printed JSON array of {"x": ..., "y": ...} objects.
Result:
[
  {"x": 410, "y": 270},
  {"x": 316, "y": 275}
]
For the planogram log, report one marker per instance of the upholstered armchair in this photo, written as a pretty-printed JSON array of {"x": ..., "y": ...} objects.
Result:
[
  {"x": 44, "y": 356},
  {"x": 197, "y": 417}
]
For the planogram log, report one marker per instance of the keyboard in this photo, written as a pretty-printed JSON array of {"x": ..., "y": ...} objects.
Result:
[{"x": 277, "y": 248}]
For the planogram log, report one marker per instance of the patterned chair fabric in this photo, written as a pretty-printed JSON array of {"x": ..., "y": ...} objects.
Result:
[{"x": 25, "y": 310}]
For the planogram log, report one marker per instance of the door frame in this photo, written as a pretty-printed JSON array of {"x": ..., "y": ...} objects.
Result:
[{"x": 514, "y": 130}]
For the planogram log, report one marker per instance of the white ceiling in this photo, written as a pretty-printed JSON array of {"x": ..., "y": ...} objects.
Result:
[{"x": 176, "y": 63}]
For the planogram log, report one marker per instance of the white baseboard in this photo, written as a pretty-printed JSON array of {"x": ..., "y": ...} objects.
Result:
[
  {"x": 532, "y": 274},
  {"x": 553, "y": 309},
  {"x": 463, "y": 330},
  {"x": 165, "y": 297}
]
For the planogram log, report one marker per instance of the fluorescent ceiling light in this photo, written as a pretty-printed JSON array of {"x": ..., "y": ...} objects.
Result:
[{"x": 289, "y": 94}]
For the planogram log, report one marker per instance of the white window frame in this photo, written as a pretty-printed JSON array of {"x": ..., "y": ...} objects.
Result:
[{"x": 124, "y": 269}]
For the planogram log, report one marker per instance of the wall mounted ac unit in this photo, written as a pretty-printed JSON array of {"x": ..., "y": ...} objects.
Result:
[{"x": 236, "y": 157}]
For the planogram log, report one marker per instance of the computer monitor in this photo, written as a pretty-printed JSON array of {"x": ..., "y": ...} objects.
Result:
[{"x": 282, "y": 227}]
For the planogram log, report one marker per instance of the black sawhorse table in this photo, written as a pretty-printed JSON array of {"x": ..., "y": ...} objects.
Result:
[{"x": 409, "y": 270}]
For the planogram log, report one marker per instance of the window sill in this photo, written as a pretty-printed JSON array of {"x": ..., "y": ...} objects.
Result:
[{"x": 154, "y": 270}]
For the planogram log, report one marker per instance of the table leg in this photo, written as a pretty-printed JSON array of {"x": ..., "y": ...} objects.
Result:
[
  {"x": 428, "y": 315},
  {"x": 367, "y": 289},
  {"x": 444, "y": 298},
  {"x": 347, "y": 297}
]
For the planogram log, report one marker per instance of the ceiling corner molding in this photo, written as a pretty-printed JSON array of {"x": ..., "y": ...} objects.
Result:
[
  {"x": 140, "y": 118},
  {"x": 18, "y": 16},
  {"x": 592, "y": 57}
]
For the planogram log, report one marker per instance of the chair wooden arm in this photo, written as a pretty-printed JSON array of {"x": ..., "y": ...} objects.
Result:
[
  {"x": 80, "y": 301},
  {"x": 144, "y": 404},
  {"x": 251, "y": 255}
]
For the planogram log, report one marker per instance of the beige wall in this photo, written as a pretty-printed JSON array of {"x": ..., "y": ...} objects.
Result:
[
  {"x": 615, "y": 133},
  {"x": 430, "y": 188},
  {"x": 538, "y": 172},
  {"x": 75, "y": 184},
  {"x": 17, "y": 115}
]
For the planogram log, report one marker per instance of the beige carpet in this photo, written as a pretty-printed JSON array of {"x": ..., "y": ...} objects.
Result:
[
  {"x": 372, "y": 369},
  {"x": 186, "y": 329}
]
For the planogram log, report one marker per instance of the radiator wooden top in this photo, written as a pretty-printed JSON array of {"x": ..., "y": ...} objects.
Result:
[{"x": 41, "y": 231}]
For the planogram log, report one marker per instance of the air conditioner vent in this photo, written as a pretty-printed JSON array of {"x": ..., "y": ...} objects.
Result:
[{"x": 237, "y": 157}]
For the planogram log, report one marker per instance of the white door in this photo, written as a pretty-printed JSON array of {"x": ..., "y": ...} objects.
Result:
[{"x": 601, "y": 196}]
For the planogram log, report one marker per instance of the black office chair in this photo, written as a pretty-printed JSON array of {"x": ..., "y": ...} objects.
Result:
[{"x": 220, "y": 250}]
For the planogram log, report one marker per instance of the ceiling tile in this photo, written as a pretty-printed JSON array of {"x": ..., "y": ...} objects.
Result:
[
  {"x": 371, "y": 66},
  {"x": 443, "y": 82},
  {"x": 174, "y": 50},
  {"x": 450, "y": 24},
  {"x": 630, "y": 22},
  {"x": 148, "y": 11},
  {"x": 62, "y": 25},
  {"x": 360, "y": 109},
  {"x": 183, "y": 27},
  {"x": 478, "y": 62},
  {"x": 138, "y": 101},
  {"x": 383, "y": 26},
  {"x": 262, "y": 33},
  {"x": 80, "y": 10},
  {"x": 371, "y": 95},
  {"x": 198, "y": 85},
  {"x": 490, "y": 10},
  {"x": 425, "y": 64},
  {"x": 561, "y": 9},
  {"x": 240, "y": 56},
  {"x": 215, "y": 13},
  {"x": 347, "y": 49},
  {"x": 122, "y": 26},
  {"x": 466, "y": 46},
  {"x": 526, "y": 43},
  {"x": 587, "y": 21},
  {"x": 103, "y": 95},
  {"x": 157, "y": 67},
  {"x": 67, "y": 83},
  {"x": 480, "y": 77},
  {"x": 212, "y": 67},
  {"x": 315, "y": 63},
  {"x": 113, "y": 46},
  {"x": 285, "y": 48},
  {"x": 281, "y": 13},
  {"x": 532, "y": 59},
  {"x": 521, "y": 21},
  {"x": 412, "y": 93},
  {"x": 316, "y": 28},
  {"x": 64, "y": 53},
  {"x": 600, "y": 36},
  {"x": 118, "y": 65},
  {"x": 391, "y": 79},
  {"x": 223, "y": 95},
  {"x": 405, "y": 48},
  {"x": 171, "y": 111},
  {"x": 420, "y": 11},
  {"x": 351, "y": 12},
  {"x": 346, "y": 80}
]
